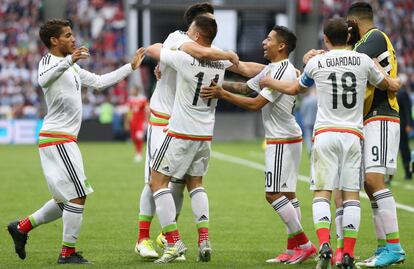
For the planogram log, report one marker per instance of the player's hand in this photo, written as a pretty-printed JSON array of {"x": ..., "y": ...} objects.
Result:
[
  {"x": 212, "y": 91},
  {"x": 80, "y": 53},
  {"x": 310, "y": 54},
  {"x": 233, "y": 57},
  {"x": 157, "y": 72},
  {"x": 265, "y": 82},
  {"x": 138, "y": 57}
]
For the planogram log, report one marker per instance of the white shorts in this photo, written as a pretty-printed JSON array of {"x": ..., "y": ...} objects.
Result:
[
  {"x": 177, "y": 157},
  {"x": 336, "y": 162},
  {"x": 282, "y": 167},
  {"x": 63, "y": 169},
  {"x": 382, "y": 139},
  {"x": 155, "y": 136}
]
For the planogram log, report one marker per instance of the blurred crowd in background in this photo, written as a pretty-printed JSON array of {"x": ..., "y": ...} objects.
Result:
[{"x": 101, "y": 26}]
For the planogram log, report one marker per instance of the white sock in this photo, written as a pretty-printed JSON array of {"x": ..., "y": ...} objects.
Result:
[
  {"x": 200, "y": 206},
  {"x": 387, "y": 211},
  {"x": 72, "y": 220},
  {"x": 351, "y": 218},
  {"x": 287, "y": 213},
  {"x": 321, "y": 210},
  {"x": 50, "y": 211},
  {"x": 177, "y": 189},
  {"x": 339, "y": 215},
  {"x": 165, "y": 207},
  {"x": 146, "y": 203},
  {"x": 296, "y": 205},
  {"x": 379, "y": 227}
]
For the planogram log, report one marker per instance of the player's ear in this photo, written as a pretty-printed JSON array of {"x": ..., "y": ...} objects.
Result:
[
  {"x": 282, "y": 46},
  {"x": 53, "y": 41},
  {"x": 349, "y": 36}
]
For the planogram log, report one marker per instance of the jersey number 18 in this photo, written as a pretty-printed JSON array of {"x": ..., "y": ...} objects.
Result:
[{"x": 346, "y": 89}]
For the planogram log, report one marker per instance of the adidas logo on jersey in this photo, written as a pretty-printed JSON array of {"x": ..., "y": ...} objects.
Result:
[
  {"x": 166, "y": 169},
  {"x": 324, "y": 219},
  {"x": 203, "y": 218},
  {"x": 349, "y": 227},
  {"x": 392, "y": 161},
  {"x": 284, "y": 186}
]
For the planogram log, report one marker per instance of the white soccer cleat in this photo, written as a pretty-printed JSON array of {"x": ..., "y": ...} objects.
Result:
[
  {"x": 204, "y": 251},
  {"x": 172, "y": 252},
  {"x": 146, "y": 250}
]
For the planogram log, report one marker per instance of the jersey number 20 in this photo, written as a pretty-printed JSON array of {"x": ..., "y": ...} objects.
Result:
[{"x": 346, "y": 89}]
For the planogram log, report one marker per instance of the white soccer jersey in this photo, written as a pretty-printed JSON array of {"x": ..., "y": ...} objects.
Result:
[
  {"x": 341, "y": 77},
  {"x": 192, "y": 117},
  {"x": 278, "y": 119},
  {"x": 61, "y": 82},
  {"x": 162, "y": 99}
]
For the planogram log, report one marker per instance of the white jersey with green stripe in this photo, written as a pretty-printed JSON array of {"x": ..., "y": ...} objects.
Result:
[
  {"x": 61, "y": 81},
  {"x": 277, "y": 115},
  {"x": 193, "y": 117},
  {"x": 341, "y": 77},
  {"x": 162, "y": 99}
]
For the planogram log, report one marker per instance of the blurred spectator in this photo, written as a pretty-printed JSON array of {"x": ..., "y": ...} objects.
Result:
[
  {"x": 406, "y": 124},
  {"x": 138, "y": 119},
  {"x": 308, "y": 109}
]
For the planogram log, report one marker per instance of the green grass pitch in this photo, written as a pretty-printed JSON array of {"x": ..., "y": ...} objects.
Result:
[{"x": 244, "y": 229}]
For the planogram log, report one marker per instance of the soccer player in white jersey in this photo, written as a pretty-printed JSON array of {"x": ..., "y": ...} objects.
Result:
[
  {"x": 61, "y": 80},
  {"x": 186, "y": 148},
  {"x": 161, "y": 105},
  {"x": 340, "y": 76},
  {"x": 283, "y": 138}
]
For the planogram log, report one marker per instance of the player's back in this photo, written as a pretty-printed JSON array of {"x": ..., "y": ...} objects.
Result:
[
  {"x": 193, "y": 116},
  {"x": 340, "y": 77}
]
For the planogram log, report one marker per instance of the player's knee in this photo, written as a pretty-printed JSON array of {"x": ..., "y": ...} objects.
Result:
[{"x": 272, "y": 196}]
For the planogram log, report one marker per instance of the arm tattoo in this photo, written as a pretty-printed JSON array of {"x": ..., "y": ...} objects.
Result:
[{"x": 237, "y": 87}]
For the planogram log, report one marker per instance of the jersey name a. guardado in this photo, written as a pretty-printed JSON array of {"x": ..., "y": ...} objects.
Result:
[
  {"x": 192, "y": 117},
  {"x": 341, "y": 77},
  {"x": 162, "y": 99},
  {"x": 61, "y": 81},
  {"x": 278, "y": 119}
]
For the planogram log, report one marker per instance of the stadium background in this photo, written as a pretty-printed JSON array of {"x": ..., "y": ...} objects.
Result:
[{"x": 112, "y": 30}]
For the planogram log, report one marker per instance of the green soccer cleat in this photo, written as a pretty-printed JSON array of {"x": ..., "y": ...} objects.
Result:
[
  {"x": 145, "y": 249},
  {"x": 172, "y": 252}
]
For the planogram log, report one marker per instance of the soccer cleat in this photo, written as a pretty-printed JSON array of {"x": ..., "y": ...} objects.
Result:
[
  {"x": 181, "y": 258},
  {"x": 74, "y": 258},
  {"x": 19, "y": 239},
  {"x": 204, "y": 251},
  {"x": 172, "y": 252},
  {"x": 386, "y": 258},
  {"x": 301, "y": 255},
  {"x": 369, "y": 260},
  {"x": 347, "y": 262},
  {"x": 325, "y": 255},
  {"x": 338, "y": 257},
  {"x": 281, "y": 258},
  {"x": 161, "y": 241},
  {"x": 145, "y": 249}
]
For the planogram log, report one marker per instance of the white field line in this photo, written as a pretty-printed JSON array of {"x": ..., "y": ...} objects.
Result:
[{"x": 259, "y": 166}]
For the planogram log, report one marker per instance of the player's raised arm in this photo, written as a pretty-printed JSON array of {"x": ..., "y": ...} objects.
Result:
[
  {"x": 391, "y": 84},
  {"x": 209, "y": 53},
  {"x": 102, "y": 81},
  {"x": 154, "y": 51},
  {"x": 286, "y": 87},
  {"x": 247, "y": 69}
]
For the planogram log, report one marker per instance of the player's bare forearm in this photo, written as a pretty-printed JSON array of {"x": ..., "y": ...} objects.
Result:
[
  {"x": 247, "y": 69},
  {"x": 208, "y": 53},
  {"x": 286, "y": 87},
  {"x": 154, "y": 51},
  {"x": 237, "y": 87}
]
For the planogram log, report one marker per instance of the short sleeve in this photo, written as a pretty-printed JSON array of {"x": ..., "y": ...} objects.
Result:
[
  {"x": 270, "y": 95},
  {"x": 171, "y": 58},
  {"x": 306, "y": 79},
  {"x": 374, "y": 75},
  {"x": 253, "y": 83},
  {"x": 174, "y": 38}
]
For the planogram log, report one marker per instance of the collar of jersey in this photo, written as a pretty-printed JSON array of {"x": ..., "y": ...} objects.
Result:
[{"x": 281, "y": 61}]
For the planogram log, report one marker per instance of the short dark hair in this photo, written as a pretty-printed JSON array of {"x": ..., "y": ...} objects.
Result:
[
  {"x": 353, "y": 32},
  {"x": 207, "y": 27},
  {"x": 52, "y": 28},
  {"x": 286, "y": 36},
  {"x": 196, "y": 10},
  {"x": 336, "y": 30},
  {"x": 362, "y": 10}
]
